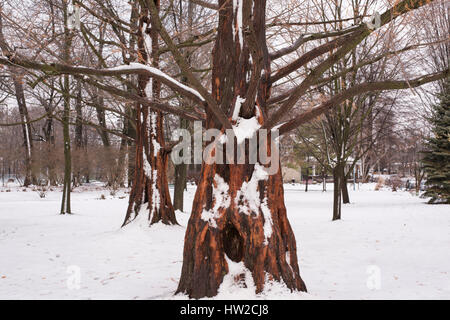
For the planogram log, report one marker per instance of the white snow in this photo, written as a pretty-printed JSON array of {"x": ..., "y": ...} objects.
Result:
[
  {"x": 28, "y": 146},
  {"x": 245, "y": 128},
  {"x": 250, "y": 196},
  {"x": 237, "y": 7},
  {"x": 391, "y": 239},
  {"x": 153, "y": 133},
  {"x": 221, "y": 200},
  {"x": 268, "y": 222},
  {"x": 148, "y": 170},
  {"x": 241, "y": 289},
  {"x": 156, "y": 197},
  {"x": 155, "y": 71},
  {"x": 237, "y": 107},
  {"x": 249, "y": 192},
  {"x": 147, "y": 166}
]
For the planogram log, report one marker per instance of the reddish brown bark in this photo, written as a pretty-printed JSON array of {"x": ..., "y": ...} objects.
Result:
[
  {"x": 150, "y": 189},
  {"x": 238, "y": 236},
  {"x": 223, "y": 224}
]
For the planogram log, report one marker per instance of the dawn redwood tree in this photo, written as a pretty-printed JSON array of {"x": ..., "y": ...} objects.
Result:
[
  {"x": 226, "y": 224},
  {"x": 238, "y": 213},
  {"x": 150, "y": 185},
  {"x": 260, "y": 234}
]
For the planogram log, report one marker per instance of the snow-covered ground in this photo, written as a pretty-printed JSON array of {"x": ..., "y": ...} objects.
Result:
[{"x": 389, "y": 245}]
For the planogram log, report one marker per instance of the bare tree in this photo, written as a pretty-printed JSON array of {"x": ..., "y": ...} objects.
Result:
[
  {"x": 17, "y": 76},
  {"x": 226, "y": 223}
]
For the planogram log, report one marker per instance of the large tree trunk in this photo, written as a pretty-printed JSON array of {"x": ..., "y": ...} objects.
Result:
[
  {"x": 238, "y": 214},
  {"x": 150, "y": 185},
  {"x": 260, "y": 237}
]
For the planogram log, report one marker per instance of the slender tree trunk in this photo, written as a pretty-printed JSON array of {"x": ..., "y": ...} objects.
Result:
[
  {"x": 180, "y": 178},
  {"x": 78, "y": 137},
  {"x": 129, "y": 128},
  {"x": 179, "y": 186},
  {"x": 306, "y": 180},
  {"x": 49, "y": 135},
  {"x": 324, "y": 181},
  {"x": 26, "y": 128},
  {"x": 131, "y": 132},
  {"x": 101, "y": 118},
  {"x": 150, "y": 184},
  {"x": 344, "y": 186},
  {"x": 65, "y": 203},
  {"x": 337, "y": 192},
  {"x": 181, "y": 169},
  {"x": 122, "y": 161},
  {"x": 227, "y": 225},
  {"x": 127, "y": 145},
  {"x": 114, "y": 170}
]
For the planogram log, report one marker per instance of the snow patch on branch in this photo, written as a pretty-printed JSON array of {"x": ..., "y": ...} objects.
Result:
[
  {"x": 156, "y": 198},
  {"x": 268, "y": 222},
  {"x": 237, "y": 8},
  {"x": 157, "y": 72},
  {"x": 148, "y": 88},
  {"x": 148, "y": 43},
  {"x": 28, "y": 137},
  {"x": 153, "y": 133},
  {"x": 149, "y": 172},
  {"x": 147, "y": 166},
  {"x": 237, "y": 107},
  {"x": 221, "y": 199}
]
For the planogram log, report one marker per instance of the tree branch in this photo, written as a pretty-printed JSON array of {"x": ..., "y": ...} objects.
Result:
[
  {"x": 135, "y": 68},
  {"x": 303, "y": 39},
  {"x": 353, "y": 40},
  {"x": 205, "y": 4},
  {"x": 186, "y": 68},
  {"x": 357, "y": 90}
]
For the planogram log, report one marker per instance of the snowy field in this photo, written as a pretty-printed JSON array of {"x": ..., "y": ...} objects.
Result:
[{"x": 389, "y": 245}]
